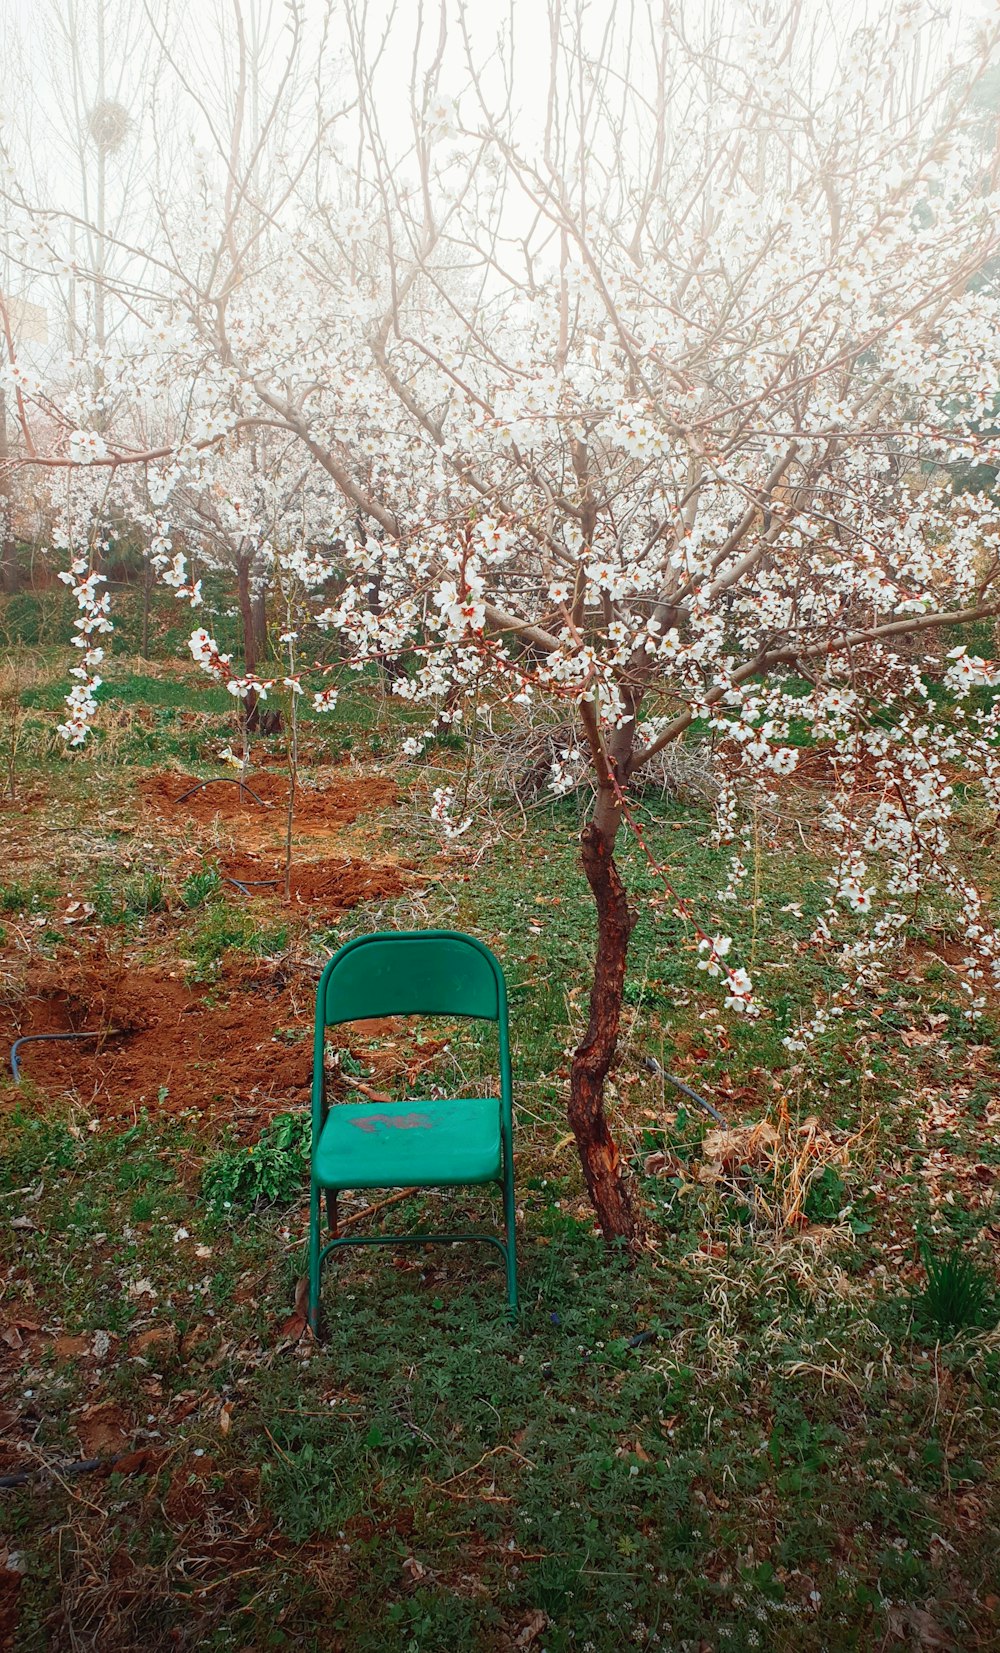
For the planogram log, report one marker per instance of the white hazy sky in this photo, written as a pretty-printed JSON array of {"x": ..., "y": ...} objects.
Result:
[{"x": 47, "y": 87}]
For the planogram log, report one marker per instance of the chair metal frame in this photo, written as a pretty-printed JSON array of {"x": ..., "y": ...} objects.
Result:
[{"x": 417, "y": 1001}]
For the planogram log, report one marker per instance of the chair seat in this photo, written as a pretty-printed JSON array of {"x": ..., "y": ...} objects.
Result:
[{"x": 410, "y": 1144}]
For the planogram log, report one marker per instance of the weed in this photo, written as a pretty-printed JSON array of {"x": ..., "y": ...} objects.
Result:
[
  {"x": 827, "y": 1196},
  {"x": 225, "y": 928},
  {"x": 33, "y": 1145},
  {"x": 271, "y": 1171},
  {"x": 196, "y": 890},
  {"x": 957, "y": 1294},
  {"x": 37, "y": 895},
  {"x": 128, "y": 900}
]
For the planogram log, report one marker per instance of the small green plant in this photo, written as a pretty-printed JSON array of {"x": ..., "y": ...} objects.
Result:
[
  {"x": 125, "y": 901},
  {"x": 271, "y": 1171},
  {"x": 350, "y": 1064},
  {"x": 33, "y": 1144},
  {"x": 827, "y": 1196},
  {"x": 196, "y": 890},
  {"x": 21, "y": 898},
  {"x": 957, "y": 1295}
]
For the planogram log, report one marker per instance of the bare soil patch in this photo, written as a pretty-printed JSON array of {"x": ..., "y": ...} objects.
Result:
[
  {"x": 331, "y": 885},
  {"x": 237, "y": 1052},
  {"x": 817, "y": 768},
  {"x": 167, "y": 1047},
  {"x": 339, "y": 803}
]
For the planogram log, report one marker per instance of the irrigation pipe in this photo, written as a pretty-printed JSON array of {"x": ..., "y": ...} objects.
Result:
[
  {"x": 653, "y": 1066},
  {"x": 225, "y": 780},
  {"x": 37, "y": 1038},
  {"x": 248, "y": 884},
  {"x": 82, "y": 1466}
]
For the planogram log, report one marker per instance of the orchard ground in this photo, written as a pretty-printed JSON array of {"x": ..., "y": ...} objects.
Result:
[{"x": 758, "y": 1437}]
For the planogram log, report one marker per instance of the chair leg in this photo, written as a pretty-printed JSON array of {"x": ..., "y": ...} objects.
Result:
[
  {"x": 331, "y": 1212},
  {"x": 509, "y": 1225},
  {"x": 314, "y": 1263}
]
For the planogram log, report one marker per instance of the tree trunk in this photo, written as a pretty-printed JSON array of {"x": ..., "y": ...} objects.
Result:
[
  {"x": 592, "y": 1059},
  {"x": 251, "y": 628},
  {"x": 258, "y": 612},
  {"x": 147, "y": 585},
  {"x": 9, "y": 576}
]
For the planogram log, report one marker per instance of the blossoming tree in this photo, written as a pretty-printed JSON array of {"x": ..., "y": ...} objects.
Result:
[{"x": 647, "y": 404}]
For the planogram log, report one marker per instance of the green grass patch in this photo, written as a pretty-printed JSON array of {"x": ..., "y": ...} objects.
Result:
[
  {"x": 129, "y": 899},
  {"x": 652, "y": 1451},
  {"x": 958, "y": 1294},
  {"x": 223, "y": 928}
]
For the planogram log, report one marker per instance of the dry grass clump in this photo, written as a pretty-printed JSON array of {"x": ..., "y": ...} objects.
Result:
[
  {"x": 765, "y": 1172},
  {"x": 518, "y": 762}
]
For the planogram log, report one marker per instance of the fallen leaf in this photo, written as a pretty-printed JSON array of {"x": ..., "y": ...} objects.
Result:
[
  {"x": 532, "y": 1627},
  {"x": 154, "y": 1339},
  {"x": 291, "y": 1331},
  {"x": 925, "y": 1629}
]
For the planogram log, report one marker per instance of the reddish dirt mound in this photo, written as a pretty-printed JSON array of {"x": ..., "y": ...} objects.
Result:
[
  {"x": 331, "y": 885},
  {"x": 37, "y": 798},
  {"x": 339, "y": 803},
  {"x": 169, "y": 1047}
]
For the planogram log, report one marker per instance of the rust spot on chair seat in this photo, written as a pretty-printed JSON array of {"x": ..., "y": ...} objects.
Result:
[{"x": 399, "y": 1122}]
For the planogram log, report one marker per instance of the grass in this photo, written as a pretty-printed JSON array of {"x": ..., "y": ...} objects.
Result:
[
  {"x": 680, "y": 1449},
  {"x": 128, "y": 900},
  {"x": 197, "y": 889},
  {"x": 223, "y": 928},
  {"x": 777, "y": 1431},
  {"x": 33, "y": 896},
  {"x": 957, "y": 1296}
]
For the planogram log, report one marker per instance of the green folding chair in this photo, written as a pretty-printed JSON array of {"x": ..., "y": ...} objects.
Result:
[{"x": 410, "y": 1144}]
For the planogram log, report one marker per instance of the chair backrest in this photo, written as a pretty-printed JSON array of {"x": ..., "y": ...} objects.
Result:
[{"x": 413, "y": 973}]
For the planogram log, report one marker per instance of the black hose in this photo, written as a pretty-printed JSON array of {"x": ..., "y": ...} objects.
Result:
[
  {"x": 36, "y": 1038},
  {"x": 229, "y": 780},
  {"x": 82, "y": 1466},
  {"x": 248, "y": 884},
  {"x": 654, "y": 1066}
]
